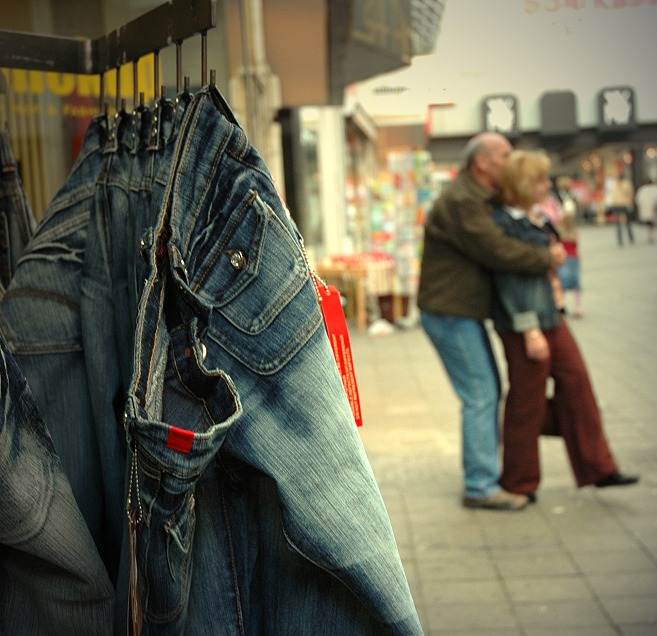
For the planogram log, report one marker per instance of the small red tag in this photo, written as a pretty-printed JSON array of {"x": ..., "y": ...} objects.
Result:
[
  {"x": 181, "y": 440},
  {"x": 338, "y": 332}
]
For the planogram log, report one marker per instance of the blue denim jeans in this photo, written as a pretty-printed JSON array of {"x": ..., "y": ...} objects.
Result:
[
  {"x": 40, "y": 319},
  {"x": 150, "y": 176},
  {"x": 53, "y": 580},
  {"x": 16, "y": 220},
  {"x": 105, "y": 324},
  {"x": 623, "y": 218},
  {"x": 465, "y": 350},
  {"x": 237, "y": 421}
]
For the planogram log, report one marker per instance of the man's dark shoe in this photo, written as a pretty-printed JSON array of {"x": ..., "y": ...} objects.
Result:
[{"x": 616, "y": 479}]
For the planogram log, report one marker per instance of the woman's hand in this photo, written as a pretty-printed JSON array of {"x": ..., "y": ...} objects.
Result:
[
  {"x": 557, "y": 253},
  {"x": 536, "y": 344}
]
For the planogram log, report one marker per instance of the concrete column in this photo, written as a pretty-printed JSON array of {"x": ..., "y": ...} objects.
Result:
[{"x": 333, "y": 180}]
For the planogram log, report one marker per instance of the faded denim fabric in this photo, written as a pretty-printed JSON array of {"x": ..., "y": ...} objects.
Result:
[
  {"x": 17, "y": 222},
  {"x": 236, "y": 398},
  {"x": 52, "y": 580},
  {"x": 40, "y": 319}
]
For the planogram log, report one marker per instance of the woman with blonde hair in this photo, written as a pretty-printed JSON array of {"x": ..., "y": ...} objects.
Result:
[{"x": 538, "y": 344}]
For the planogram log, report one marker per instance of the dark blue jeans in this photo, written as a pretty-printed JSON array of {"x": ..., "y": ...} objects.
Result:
[
  {"x": 40, "y": 319},
  {"x": 623, "y": 218},
  {"x": 105, "y": 324}
]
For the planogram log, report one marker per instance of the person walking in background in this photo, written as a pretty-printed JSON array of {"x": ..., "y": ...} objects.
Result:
[
  {"x": 537, "y": 345},
  {"x": 622, "y": 205},
  {"x": 646, "y": 203},
  {"x": 462, "y": 245}
]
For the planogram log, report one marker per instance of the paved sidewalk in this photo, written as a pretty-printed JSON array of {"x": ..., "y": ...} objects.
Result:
[{"x": 579, "y": 562}]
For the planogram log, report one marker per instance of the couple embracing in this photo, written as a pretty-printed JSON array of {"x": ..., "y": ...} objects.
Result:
[{"x": 489, "y": 252}]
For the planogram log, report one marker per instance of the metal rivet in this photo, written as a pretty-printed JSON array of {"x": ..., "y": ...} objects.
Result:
[
  {"x": 237, "y": 259},
  {"x": 204, "y": 352}
]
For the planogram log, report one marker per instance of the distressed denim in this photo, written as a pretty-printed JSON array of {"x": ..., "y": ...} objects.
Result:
[
  {"x": 16, "y": 220},
  {"x": 52, "y": 580},
  {"x": 40, "y": 319},
  {"x": 233, "y": 368}
]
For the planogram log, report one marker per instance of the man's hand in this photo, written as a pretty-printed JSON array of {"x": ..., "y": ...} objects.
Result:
[{"x": 557, "y": 254}]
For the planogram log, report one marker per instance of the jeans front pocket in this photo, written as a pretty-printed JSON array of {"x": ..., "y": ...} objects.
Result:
[
  {"x": 251, "y": 272},
  {"x": 166, "y": 535}
]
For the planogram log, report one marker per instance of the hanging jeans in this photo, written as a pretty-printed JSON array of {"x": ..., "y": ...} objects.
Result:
[
  {"x": 235, "y": 392},
  {"x": 105, "y": 324},
  {"x": 52, "y": 578},
  {"x": 40, "y": 319},
  {"x": 16, "y": 220}
]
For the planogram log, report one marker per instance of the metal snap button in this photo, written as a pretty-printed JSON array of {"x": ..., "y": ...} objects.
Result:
[{"x": 237, "y": 260}]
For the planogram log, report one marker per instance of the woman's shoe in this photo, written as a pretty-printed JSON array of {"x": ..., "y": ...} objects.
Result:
[
  {"x": 532, "y": 497},
  {"x": 616, "y": 479}
]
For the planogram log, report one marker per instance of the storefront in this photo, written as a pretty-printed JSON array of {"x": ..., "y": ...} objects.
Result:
[{"x": 591, "y": 154}]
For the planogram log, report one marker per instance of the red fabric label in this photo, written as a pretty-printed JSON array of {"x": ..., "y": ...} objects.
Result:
[
  {"x": 338, "y": 332},
  {"x": 181, "y": 440}
]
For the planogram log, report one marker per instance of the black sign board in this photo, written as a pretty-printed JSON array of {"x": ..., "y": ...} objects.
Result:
[{"x": 558, "y": 114}]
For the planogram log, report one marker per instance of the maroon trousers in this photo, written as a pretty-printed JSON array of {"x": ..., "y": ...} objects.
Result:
[{"x": 573, "y": 408}]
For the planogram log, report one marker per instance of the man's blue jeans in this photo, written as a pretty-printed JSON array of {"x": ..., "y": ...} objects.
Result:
[{"x": 466, "y": 353}]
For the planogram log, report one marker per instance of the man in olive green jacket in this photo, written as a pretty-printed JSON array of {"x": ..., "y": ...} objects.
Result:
[{"x": 462, "y": 244}]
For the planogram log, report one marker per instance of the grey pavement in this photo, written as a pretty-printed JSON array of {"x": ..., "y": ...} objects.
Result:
[{"x": 579, "y": 562}]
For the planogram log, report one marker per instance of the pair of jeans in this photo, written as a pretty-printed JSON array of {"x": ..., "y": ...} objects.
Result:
[
  {"x": 105, "y": 323},
  {"x": 236, "y": 409},
  {"x": 40, "y": 319},
  {"x": 464, "y": 347},
  {"x": 53, "y": 580},
  {"x": 623, "y": 218},
  {"x": 16, "y": 220}
]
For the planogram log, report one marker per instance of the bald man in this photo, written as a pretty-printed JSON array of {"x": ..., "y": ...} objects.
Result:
[{"x": 462, "y": 245}]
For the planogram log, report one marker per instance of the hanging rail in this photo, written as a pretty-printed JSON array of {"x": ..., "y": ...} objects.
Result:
[{"x": 169, "y": 23}]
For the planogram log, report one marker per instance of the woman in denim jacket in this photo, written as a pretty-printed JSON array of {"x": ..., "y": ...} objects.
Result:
[{"x": 538, "y": 344}]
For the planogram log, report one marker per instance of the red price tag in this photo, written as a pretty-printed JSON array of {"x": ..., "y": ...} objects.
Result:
[{"x": 338, "y": 332}]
